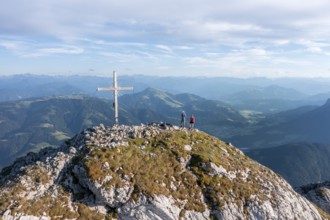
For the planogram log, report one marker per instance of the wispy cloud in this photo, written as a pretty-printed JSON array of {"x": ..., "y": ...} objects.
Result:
[
  {"x": 164, "y": 48},
  {"x": 183, "y": 47},
  {"x": 60, "y": 50},
  {"x": 9, "y": 45},
  {"x": 315, "y": 49}
]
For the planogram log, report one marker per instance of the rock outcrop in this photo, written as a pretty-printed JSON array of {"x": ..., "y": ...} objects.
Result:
[
  {"x": 318, "y": 193},
  {"x": 155, "y": 171}
]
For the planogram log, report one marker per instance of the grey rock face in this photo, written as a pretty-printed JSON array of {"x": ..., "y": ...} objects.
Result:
[
  {"x": 62, "y": 173},
  {"x": 281, "y": 202},
  {"x": 318, "y": 193},
  {"x": 158, "y": 207}
]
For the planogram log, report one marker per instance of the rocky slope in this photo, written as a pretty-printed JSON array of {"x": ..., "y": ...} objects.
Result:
[
  {"x": 146, "y": 172},
  {"x": 318, "y": 193}
]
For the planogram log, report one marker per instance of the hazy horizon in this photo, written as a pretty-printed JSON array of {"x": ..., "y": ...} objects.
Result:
[{"x": 110, "y": 75}]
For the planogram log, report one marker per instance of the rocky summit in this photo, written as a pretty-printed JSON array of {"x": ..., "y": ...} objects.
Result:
[{"x": 155, "y": 171}]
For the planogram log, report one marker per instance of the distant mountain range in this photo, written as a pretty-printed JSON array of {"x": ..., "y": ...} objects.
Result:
[
  {"x": 271, "y": 92},
  {"x": 257, "y": 94},
  {"x": 309, "y": 124},
  {"x": 270, "y": 99},
  {"x": 32, "y": 124},
  {"x": 216, "y": 117}
]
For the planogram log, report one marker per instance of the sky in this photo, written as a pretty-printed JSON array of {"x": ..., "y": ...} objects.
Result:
[{"x": 237, "y": 38}]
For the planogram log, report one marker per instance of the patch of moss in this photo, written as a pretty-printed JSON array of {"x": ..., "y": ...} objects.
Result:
[
  {"x": 218, "y": 190},
  {"x": 38, "y": 174},
  {"x": 154, "y": 170},
  {"x": 86, "y": 213},
  {"x": 11, "y": 196},
  {"x": 56, "y": 208},
  {"x": 5, "y": 202}
]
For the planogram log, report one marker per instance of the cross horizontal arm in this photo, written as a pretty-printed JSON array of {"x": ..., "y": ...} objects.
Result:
[{"x": 112, "y": 89}]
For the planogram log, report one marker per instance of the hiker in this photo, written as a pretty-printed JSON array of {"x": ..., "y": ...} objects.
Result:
[
  {"x": 183, "y": 119},
  {"x": 192, "y": 122}
]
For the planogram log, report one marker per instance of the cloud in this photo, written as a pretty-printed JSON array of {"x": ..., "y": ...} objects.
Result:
[
  {"x": 281, "y": 42},
  {"x": 207, "y": 33},
  {"x": 184, "y": 47},
  {"x": 9, "y": 45},
  {"x": 126, "y": 57},
  {"x": 146, "y": 18},
  {"x": 229, "y": 27},
  {"x": 68, "y": 50},
  {"x": 14, "y": 46},
  {"x": 164, "y": 48},
  {"x": 315, "y": 50},
  {"x": 258, "y": 52}
]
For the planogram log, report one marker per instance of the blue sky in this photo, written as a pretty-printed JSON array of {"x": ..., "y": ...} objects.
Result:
[{"x": 239, "y": 38}]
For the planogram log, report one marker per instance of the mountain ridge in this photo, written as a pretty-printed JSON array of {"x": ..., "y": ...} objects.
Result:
[
  {"x": 41, "y": 122},
  {"x": 218, "y": 88},
  {"x": 312, "y": 125}
]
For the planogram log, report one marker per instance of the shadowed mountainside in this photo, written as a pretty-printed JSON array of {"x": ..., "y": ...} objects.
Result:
[
  {"x": 310, "y": 126},
  {"x": 299, "y": 163}
]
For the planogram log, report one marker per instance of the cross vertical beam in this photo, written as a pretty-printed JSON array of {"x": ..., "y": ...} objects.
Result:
[
  {"x": 115, "y": 90},
  {"x": 115, "y": 96}
]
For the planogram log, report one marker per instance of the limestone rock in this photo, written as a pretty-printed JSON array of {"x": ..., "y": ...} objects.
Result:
[
  {"x": 154, "y": 171},
  {"x": 159, "y": 207},
  {"x": 318, "y": 193}
]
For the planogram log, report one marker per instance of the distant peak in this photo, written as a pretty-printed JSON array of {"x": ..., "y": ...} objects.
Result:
[
  {"x": 153, "y": 90},
  {"x": 327, "y": 103}
]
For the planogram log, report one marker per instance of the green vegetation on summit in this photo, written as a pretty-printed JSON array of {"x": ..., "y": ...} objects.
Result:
[{"x": 146, "y": 172}]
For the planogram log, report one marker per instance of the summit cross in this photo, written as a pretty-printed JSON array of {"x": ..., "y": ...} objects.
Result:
[{"x": 115, "y": 90}]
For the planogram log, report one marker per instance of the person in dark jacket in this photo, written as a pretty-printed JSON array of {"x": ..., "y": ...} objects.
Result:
[{"x": 183, "y": 119}]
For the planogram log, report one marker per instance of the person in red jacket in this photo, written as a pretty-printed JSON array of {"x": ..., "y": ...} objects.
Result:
[{"x": 192, "y": 122}]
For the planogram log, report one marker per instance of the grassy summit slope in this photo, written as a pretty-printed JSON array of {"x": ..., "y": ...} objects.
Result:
[
  {"x": 147, "y": 172},
  {"x": 166, "y": 165}
]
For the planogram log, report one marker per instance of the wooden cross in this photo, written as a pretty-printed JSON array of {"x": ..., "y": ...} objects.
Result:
[{"x": 115, "y": 90}]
